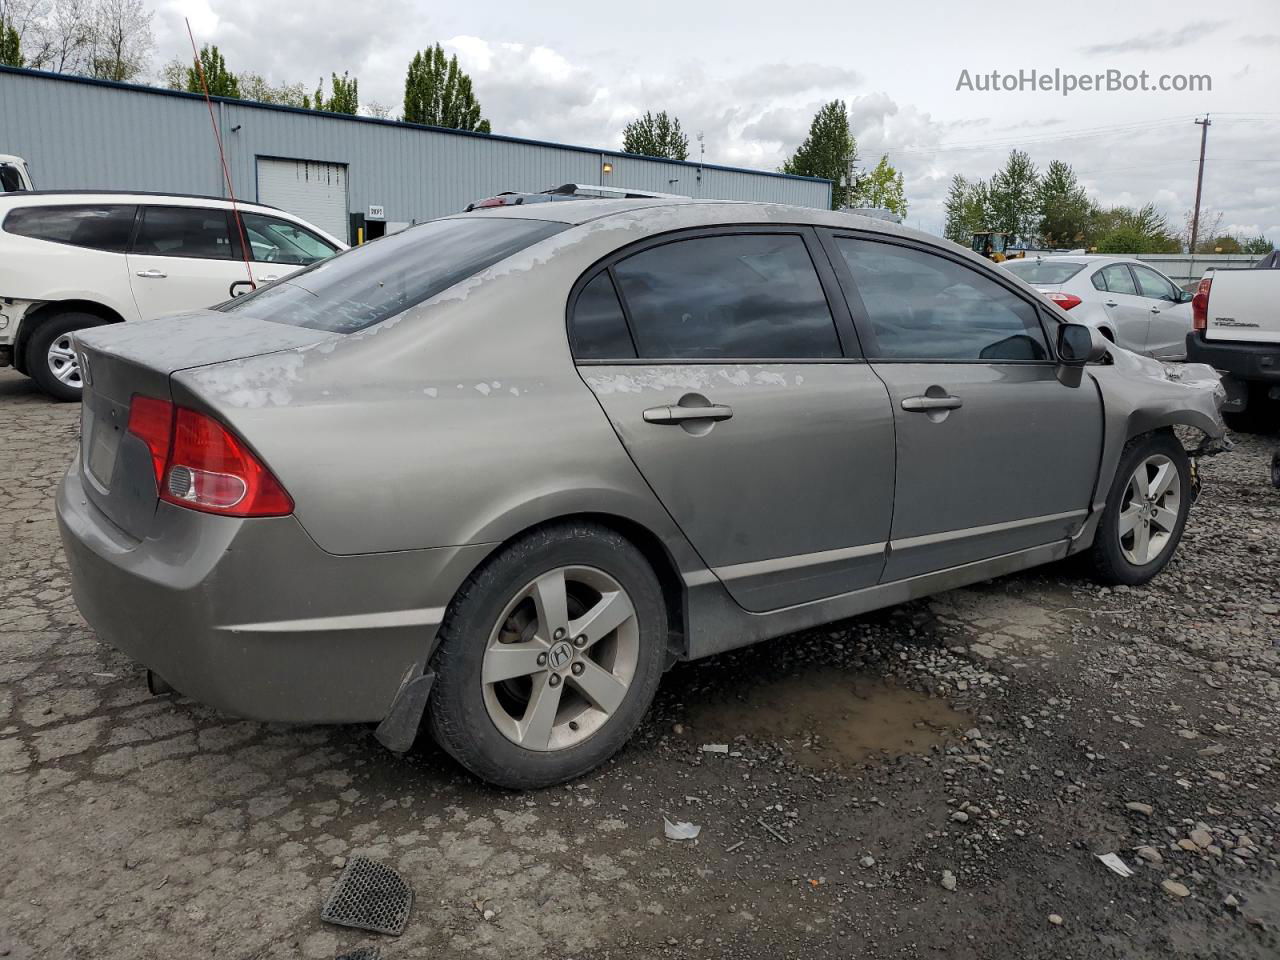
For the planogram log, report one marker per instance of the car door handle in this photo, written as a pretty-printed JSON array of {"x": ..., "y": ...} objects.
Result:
[
  {"x": 677, "y": 415},
  {"x": 152, "y": 274},
  {"x": 925, "y": 404},
  {"x": 268, "y": 279},
  {"x": 1110, "y": 303},
  {"x": 1155, "y": 309}
]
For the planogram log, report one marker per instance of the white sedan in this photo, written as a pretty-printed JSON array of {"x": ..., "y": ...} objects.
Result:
[{"x": 1134, "y": 305}]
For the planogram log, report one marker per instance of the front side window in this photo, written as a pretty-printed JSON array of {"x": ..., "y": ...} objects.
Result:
[
  {"x": 1118, "y": 279},
  {"x": 10, "y": 179},
  {"x": 194, "y": 232},
  {"x": 1154, "y": 286},
  {"x": 743, "y": 296},
  {"x": 95, "y": 226},
  {"x": 922, "y": 306},
  {"x": 272, "y": 240},
  {"x": 365, "y": 285}
]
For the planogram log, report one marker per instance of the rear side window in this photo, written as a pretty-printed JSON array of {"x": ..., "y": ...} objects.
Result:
[
  {"x": 599, "y": 328},
  {"x": 922, "y": 306},
  {"x": 367, "y": 284},
  {"x": 97, "y": 227},
  {"x": 1099, "y": 282},
  {"x": 201, "y": 234},
  {"x": 744, "y": 296},
  {"x": 1118, "y": 279}
]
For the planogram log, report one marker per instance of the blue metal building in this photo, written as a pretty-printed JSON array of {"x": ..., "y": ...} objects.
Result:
[{"x": 332, "y": 169}]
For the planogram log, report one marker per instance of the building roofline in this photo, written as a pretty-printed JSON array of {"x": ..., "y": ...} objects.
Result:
[
  {"x": 506, "y": 138},
  {"x": 108, "y": 192}
]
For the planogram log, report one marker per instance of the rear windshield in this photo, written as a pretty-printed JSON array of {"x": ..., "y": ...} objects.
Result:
[
  {"x": 367, "y": 284},
  {"x": 1043, "y": 271}
]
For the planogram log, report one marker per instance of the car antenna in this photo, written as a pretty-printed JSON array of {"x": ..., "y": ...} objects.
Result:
[{"x": 222, "y": 155}]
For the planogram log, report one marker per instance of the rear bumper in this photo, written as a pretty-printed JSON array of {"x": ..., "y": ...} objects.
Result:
[
  {"x": 251, "y": 617},
  {"x": 1252, "y": 362}
]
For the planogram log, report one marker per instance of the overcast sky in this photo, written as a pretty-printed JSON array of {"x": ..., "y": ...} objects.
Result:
[{"x": 750, "y": 74}]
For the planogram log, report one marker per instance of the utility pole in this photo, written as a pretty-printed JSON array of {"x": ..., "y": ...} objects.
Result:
[{"x": 1195, "y": 216}]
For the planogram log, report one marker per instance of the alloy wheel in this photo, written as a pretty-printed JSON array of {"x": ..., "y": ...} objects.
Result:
[
  {"x": 1150, "y": 509},
  {"x": 561, "y": 658},
  {"x": 63, "y": 362}
]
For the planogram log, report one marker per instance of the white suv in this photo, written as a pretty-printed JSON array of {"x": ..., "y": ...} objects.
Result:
[{"x": 70, "y": 260}]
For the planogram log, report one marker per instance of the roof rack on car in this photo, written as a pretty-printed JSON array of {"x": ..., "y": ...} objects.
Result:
[{"x": 571, "y": 191}]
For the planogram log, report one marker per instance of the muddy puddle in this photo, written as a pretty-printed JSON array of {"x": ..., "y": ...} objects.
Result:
[{"x": 826, "y": 718}]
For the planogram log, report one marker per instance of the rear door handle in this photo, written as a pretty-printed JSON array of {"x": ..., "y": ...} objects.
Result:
[
  {"x": 268, "y": 278},
  {"x": 1110, "y": 303},
  {"x": 677, "y": 415},
  {"x": 1155, "y": 309},
  {"x": 152, "y": 274},
  {"x": 925, "y": 404}
]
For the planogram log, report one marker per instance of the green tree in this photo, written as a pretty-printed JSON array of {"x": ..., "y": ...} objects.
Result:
[
  {"x": 882, "y": 187},
  {"x": 256, "y": 87},
  {"x": 829, "y": 151},
  {"x": 656, "y": 135},
  {"x": 10, "y": 45},
  {"x": 1013, "y": 200},
  {"x": 1125, "y": 230},
  {"x": 968, "y": 207},
  {"x": 438, "y": 92},
  {"x": 1258, "y": 244},
  {"x": 1064, "y": 206},
  {"x": 222, "y": 82},
  {"x": 344, "y": 96}
]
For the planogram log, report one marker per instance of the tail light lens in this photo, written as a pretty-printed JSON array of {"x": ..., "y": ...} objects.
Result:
[
  {"x": 1200, "y": 305},
  {"x": 201, "y": 465},
  {"x": 1065, "y": 300}
]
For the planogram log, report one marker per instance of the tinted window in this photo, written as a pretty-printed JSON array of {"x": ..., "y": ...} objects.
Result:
[
  {"x": 744, "y": 296},
  {"x": 1043, "y": 271},
  {"x": 1117, "y": 279},
  {"x": 1154, "y": 286},
  {"x": 366, "y": 285},
  {"x": 924, "y": 307},
  {"x": 102, "y": 227},
  {"x": 1099, "y": 281},
  {"x": 272, "y": 240},
  {"x": 599, "y": 329},
  {"x": 184, "y": 232},
  {"x": 10, "y": 180}
]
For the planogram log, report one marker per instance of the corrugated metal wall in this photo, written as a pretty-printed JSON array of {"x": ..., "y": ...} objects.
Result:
[{"x": 90, "y": 135}]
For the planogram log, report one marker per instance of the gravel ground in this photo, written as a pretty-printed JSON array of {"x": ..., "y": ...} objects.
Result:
[{"x": 936, "y": 779}]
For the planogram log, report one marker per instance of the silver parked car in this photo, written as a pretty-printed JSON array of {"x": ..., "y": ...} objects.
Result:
[
  {"x": 502, "y": 469},
  {"x": 1130, "y": 302}
]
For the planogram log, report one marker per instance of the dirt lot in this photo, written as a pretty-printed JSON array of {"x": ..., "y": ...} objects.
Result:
[{"x": 933, "y": 780}]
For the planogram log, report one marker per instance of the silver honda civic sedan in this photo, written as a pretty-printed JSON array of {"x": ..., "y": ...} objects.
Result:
[{"x": 499, "y": 471}]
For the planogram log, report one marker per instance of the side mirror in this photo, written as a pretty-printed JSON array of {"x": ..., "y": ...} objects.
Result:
[{"x": 1079, "y": 344}]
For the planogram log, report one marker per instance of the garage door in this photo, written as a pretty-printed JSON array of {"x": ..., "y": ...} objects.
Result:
[{"x": 316, "y": 192}]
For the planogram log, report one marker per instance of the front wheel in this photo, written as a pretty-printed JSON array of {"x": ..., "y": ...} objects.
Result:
[
  {"x": 1146, "y": 511},
  {"x": 549, "y": 657}
]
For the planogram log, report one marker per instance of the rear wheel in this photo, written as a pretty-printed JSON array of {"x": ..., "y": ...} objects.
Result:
[
  {"x": 51, "y": 361},
  {"x": 549, "y": 657},
  {"x": 1146, "y": 511}
]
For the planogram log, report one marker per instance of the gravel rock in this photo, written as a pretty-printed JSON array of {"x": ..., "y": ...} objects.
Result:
[
  {"x": 1174, "y": 888},
  {"x": 948, "y": 880},
  {"x": 1143, "y": 808}
]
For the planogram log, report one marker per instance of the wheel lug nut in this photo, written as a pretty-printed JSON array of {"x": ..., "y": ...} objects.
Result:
[
  {"x": 577, "y": 669},
  {"x": 560, "y": 632},
  {"x": 580, "y": 641},
  {"x": 554, "y": 680},
  {"x": 542, "y": 659}
]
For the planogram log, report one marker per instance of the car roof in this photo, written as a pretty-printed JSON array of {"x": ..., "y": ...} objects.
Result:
[
  {"x": 10, "y": 158},
  {"x": 749, "y": 211},
  {"x": 141, "y": 196}
]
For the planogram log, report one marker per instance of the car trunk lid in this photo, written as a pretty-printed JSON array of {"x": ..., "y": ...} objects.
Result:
[{"x": 122, "y": 360}]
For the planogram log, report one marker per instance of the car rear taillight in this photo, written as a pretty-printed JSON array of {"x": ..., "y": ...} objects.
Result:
[
  {"x": 1065, "y": 300},
  {"x": 1200, "y": 305},
  {"x": 200, "y": 464}
]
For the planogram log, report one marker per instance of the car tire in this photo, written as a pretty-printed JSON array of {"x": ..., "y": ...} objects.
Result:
[
  {"x": 1261, "y": 413},
  {"x": 1143, "y": 521},
  {"x": 489, "y": 721},
  {"x": 48, "y": 358}
]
